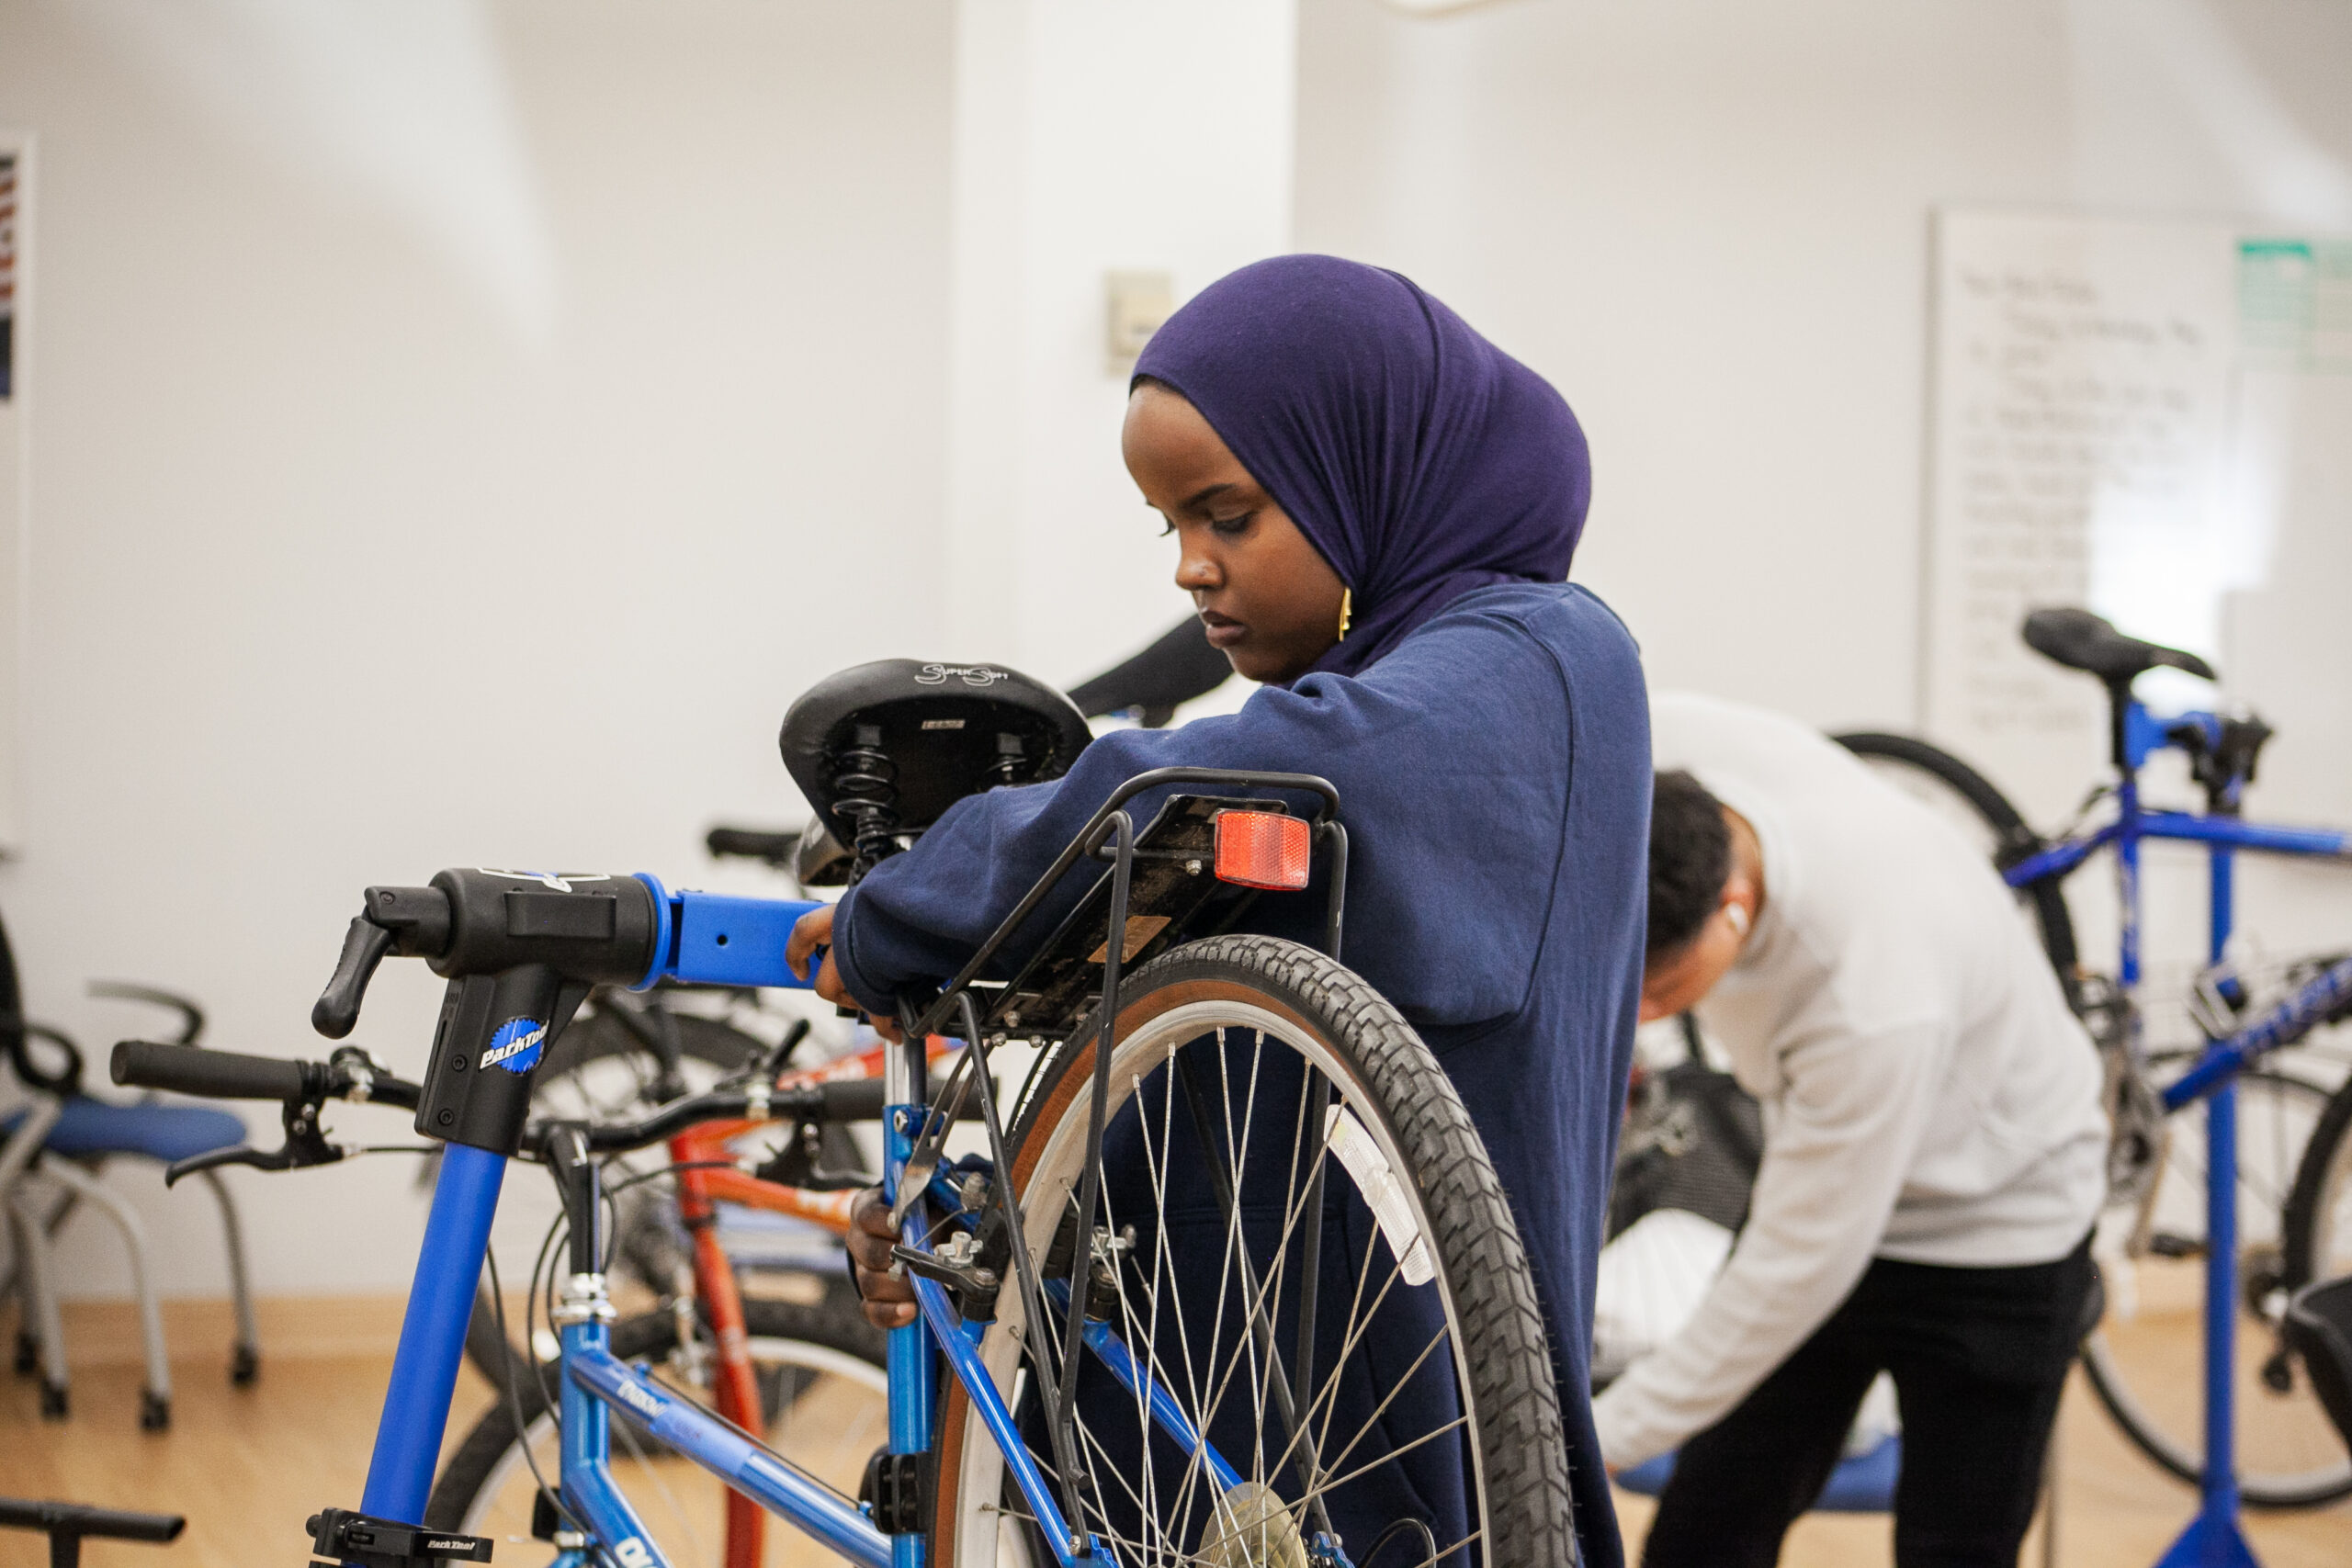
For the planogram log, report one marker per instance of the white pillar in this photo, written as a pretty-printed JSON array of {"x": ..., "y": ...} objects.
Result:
[{"x": 1091, "y": 136}]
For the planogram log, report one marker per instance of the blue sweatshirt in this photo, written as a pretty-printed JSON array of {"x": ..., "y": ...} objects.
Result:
[{"x": 1494, "y": 775}]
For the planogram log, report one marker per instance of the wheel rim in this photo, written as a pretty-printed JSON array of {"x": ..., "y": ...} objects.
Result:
[
  {"x": 2146, "y": 1361},
  {"x": 1046, "y": 1173}
]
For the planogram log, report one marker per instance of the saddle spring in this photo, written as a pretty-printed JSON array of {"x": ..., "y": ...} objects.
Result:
[
  {"x": 1012, "y": 760},
  {"x": 865, "y": 788}
]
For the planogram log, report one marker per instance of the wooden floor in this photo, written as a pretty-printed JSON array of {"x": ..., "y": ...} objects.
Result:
[{"x": 247, "y": 1466}]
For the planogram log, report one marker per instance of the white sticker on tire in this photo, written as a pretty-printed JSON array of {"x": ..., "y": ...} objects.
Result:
[{"x": 1368, "y": 1168}]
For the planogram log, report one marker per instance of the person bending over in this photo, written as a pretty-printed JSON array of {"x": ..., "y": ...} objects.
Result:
[
  {"x": 1374, "y": 510},
  {"x": 1934, "y": 1153}
]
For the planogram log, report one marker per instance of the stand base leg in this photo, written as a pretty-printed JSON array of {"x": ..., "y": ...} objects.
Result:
[{"x": 2212, "y": 1541}]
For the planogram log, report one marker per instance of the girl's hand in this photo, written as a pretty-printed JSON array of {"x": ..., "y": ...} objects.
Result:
[
  {"x": 882, "y": 1284},
  {"x": 815, "y": 931}
]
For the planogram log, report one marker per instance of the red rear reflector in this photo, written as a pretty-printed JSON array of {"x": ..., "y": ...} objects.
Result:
[{"x": 1263, "y": 849}]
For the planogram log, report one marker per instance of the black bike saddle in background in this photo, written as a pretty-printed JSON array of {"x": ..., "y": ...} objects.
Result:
[
  {"x": 2080, "y": 641},
  {"x": 1178, "y": 667},
  {"x": 881, "y": 749}
]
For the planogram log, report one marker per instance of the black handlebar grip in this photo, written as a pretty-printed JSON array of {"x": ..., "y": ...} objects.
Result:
[
  {"x": 854, "y": 1100},
  {"x": 748, "y": 843},
  {"x": 77, "y": 1520},
  {"x": 218, "y": 1074},
  {"x": 861, "y": 1099}
]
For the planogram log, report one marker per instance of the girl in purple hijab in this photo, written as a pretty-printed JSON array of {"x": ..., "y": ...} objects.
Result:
[
  {"x": 1417, "y": 459},
  {"x": 1375, "y": 511}
]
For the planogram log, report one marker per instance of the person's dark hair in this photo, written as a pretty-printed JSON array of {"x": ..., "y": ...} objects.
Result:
[{"x": 1690, "y": 861}]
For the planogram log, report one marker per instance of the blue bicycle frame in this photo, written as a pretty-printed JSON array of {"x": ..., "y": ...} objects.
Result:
[
  {"x": 2213, "y": 1539},
  {"x": 712, "y": 938}
]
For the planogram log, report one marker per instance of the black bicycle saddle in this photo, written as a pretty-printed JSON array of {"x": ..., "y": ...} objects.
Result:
[
  {"x": 2080, "y": 641},
  {"x": 881, "y": 749}
]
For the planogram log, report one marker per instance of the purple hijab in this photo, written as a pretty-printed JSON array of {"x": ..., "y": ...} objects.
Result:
[{"x": 1419, "y": 457}]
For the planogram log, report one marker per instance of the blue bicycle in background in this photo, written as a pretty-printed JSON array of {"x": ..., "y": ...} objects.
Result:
[
  {"x": 2212, "y": 1230},
  {"x": 1367, "y": 1346}
]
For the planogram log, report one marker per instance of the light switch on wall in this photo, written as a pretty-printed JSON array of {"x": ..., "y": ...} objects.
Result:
[{"x": 1134, "y": 305}]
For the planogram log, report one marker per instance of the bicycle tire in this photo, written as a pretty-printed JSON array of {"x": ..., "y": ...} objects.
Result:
[
  {"x": 486, "y": 1460},
  {"x": 2318, "y": 1220},
  {"x": 2012, "y": 837},
  {"x": 602, "y": 1037},
  {"x": 2167, "y": 1377},
  {"x": 1514, "y": 1452}
]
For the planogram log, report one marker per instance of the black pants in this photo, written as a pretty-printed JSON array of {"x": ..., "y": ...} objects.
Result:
[{"x": 1978, "y": 1357}]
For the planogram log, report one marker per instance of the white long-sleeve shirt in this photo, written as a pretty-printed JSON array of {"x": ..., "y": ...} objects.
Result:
[{"x": 1928, "y": 1095}]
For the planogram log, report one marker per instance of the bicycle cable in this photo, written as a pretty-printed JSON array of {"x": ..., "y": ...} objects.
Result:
[
  {"x": 514, "y": 1399},
  {"x": 1429, "y": 1538},
  {"x": 558, "y": 1232}
]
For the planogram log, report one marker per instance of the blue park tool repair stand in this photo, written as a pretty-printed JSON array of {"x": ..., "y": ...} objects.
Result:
[
  {"x": 2222, "y": 753},
  {"x": 2213, "y": 1539}
]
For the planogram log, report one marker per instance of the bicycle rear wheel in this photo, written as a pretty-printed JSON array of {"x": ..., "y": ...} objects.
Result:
[
  {"x": 822, "y": 1379},
  {"x": 1969, "y": 802},
  {"x": 1259, "y": 1094},
  {"x": 2146, "y": 1361}
]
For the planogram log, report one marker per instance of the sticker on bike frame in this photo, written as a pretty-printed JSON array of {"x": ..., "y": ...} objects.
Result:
[
  {"x": 515, "y": 1046},
  {"x": 1368, "y": 1168}
]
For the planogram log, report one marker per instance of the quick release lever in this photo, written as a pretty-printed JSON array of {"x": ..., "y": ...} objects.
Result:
[
  {"x": 412, "y": 921},
  {"x": 337, "y": 1011}
]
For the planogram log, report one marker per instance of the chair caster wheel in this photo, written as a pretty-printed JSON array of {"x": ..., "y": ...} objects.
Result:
[
  {"x": 154, "y": 1411},
  {"x": 27, "y": 1354},
  {"x": 245, "y": 1366},
  {"x": 54, "y": 1406}
]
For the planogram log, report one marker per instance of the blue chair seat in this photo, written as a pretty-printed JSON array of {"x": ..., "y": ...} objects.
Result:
[
  {"x": 163, "y": 1132},
  {"x": 1863, "y": 1484}
]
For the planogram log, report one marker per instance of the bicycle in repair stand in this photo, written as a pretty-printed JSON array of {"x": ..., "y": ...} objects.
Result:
[
  {"x": 2222, "y": 753},
  {"x": 1064, "y": 1396}
]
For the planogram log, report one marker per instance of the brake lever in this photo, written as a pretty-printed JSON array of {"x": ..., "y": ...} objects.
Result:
[
  {"x": 305, "y": 1144},
  {"x": 243, "y": 1153}
]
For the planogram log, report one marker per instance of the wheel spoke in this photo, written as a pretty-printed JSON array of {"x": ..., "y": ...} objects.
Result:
[{"x": 1390, "y": 1457}]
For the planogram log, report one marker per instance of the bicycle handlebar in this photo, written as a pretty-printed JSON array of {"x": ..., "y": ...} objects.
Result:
[
  {"x": 217, "y": 1075},
  {"x": 851, "y": 1099},
  {"x": 78, "y": 1519},
  {"x": 228, "y": 1074},
  {"x": 752, "y": 844}
]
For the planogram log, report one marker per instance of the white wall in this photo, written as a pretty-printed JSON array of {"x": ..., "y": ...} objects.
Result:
[
  {"x": 461, "y": 429},
  {"x": 1707, "y": 220}
]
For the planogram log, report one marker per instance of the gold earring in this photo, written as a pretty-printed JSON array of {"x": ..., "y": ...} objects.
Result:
[{"x": 1347, "y": 609}]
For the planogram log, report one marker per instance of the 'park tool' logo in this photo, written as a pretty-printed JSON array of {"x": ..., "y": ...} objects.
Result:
[{"x": 517, "y": 1044}]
